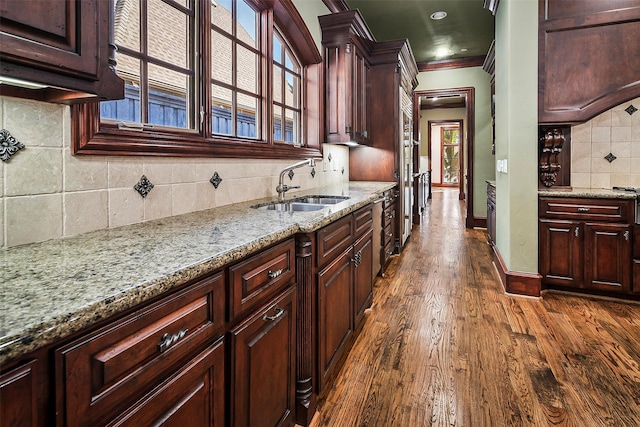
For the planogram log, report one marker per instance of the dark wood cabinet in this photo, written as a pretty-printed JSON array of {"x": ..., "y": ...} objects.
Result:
[
  {"x": 491, "y": 213},
  {"x": 193, "y": 397},
  {"x": 362, "y": 275},
  {"x": 346, "y": 40},
  {"x": 62, "y": 44},
  {"x": 636, "y": 257},
  {"x": 561, "y": 252},
  {"x": 389, "y": 227},
  {"x": 18, "y": 396},
  {"x": 586, "y": 243},
  {"x": 263, "y": 349}
]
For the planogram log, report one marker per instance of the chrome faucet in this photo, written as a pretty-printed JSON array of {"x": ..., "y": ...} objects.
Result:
[{"x": 282, "y": 187}]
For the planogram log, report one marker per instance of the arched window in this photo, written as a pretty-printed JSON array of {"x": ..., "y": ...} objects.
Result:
[{"x": 228, "y": 78}]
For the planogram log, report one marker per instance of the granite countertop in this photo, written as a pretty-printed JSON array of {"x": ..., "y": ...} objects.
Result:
[
  {"x": 597, "y": 193},
  {"x": 52, "y": 289}
]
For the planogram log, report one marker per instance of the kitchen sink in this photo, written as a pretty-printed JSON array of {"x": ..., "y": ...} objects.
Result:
[
  {"x": 291, "y": 206},
  {"x": 321, "y": 200}
]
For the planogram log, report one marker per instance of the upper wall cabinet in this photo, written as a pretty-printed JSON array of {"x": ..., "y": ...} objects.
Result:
[
  {"x": 589, "y": 58},
  {"x": 61, "y": 46},
  {"x": 347, "y": 44}
]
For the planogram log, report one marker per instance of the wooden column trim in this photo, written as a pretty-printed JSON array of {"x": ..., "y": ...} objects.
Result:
[
  {"x": 305, "y": 327},
  {"x": 516, "y": 282}
]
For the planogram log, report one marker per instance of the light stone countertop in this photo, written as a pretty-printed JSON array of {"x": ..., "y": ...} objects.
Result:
[
  {"x": 52, "y": 289},
  {"x": 597, "y": 193}
]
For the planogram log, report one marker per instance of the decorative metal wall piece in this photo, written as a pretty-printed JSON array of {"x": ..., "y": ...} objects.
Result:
[
  {"x": 143, "y": 187},
  {"x": 551, "y": 143},
  {"x": 8, "y": 145},
  {"x": 215, "y": 180},
  {"x": 313, "y": 172},
  {"x": 291, "y": 174},
  {"x": 610, "y": 157},
  {"x": 631, "y": 109}
]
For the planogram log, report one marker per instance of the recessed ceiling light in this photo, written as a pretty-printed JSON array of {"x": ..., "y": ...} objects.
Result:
[
  {"x": 443, "y": 52},
  {"x": 464, "y": 49},
  {"x": 436, "y": 16}
]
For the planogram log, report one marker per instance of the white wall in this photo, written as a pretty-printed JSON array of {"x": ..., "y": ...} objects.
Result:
[{"x": 614, "y": 131}]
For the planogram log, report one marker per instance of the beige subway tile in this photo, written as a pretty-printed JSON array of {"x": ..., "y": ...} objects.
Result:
[
  {"x": 620, "y": 119},
  {"x": 581, "y": 134},
  {"x": 85, "y": 211},
  {"x": 183, "y": 198},
  {"x": 35, "y": 170},
  {"x": 184, "y": 171},
  {"x": 600, "y": 180},
  {"x": 2, "y": 230},
  {"x": 635, "y": 134},
  {"x": 126, "y": 207},
  {"x": 620, "y": 180},
  {"x": 599, "y": 165},
  {"x": 600, "y": 149},
  {"x": 580, "y": 151},
  {"x": 602, "y": 120},
  {"x": 600, "y": 134},
  {"x": 158, "y": 171},
  {"x": 621, "y": 134},
  {"x": 32, "y": 219},
  {"x": 581, "y": 164},
  {"x": 580, "y": 180},
  {"x": 621, "y": 166},
  {"x": 622, "y": 150},
  {"x": 124, "y": 173},
  {"x": 205, "y": 195},
  {"x": 35, "y": 124},
  {"x": 634, "y": 180},
  {"x": 85, "y": 172},
  {"x": 158, "y": 203},
  {"x": 635, "y": 118}
]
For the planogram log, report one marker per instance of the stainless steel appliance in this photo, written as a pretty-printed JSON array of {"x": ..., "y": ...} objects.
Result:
[{"x": 637, "y": 192}]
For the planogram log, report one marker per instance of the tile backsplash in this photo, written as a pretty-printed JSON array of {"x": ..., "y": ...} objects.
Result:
[
  {"x": 615, "y": 132},
  {"x": 47, "y": 193}
]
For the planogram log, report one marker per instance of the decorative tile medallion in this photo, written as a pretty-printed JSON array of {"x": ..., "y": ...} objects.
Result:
[
  {"x": 631, "y": 109},
  {"x": 215, "y": 179},
  {"x": 610, "y": 157},
  {"x": 313, "y": 172},
  {"x": 8, "y": 145},
  {"x": 343, "y": 170},
  {"x": 143, "y": 187},
  {"x": 329, "y": 157},
  {"x": 291, "y": 174}
]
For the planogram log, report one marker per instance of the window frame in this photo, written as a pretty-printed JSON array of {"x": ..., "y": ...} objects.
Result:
[{"x": 91, "y": 136}]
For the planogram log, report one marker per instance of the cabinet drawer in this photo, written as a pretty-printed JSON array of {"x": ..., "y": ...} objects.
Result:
[
  {"x": 363, "y": 220},
  {"x": 388, "y": 215},
  {"x": 611, "y": 210},
  {"x": 103, "y": 373},
  {"x": 636, "y": 242},
  {"x": 260, "y": 275},
  {"x": 333, "y": 239},
  {"x": 387, "y": 235}
]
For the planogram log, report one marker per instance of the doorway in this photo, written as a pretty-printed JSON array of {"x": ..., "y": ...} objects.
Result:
[
  {"x": 446, "y": 148},
  {"x": 455, "y": 105}
]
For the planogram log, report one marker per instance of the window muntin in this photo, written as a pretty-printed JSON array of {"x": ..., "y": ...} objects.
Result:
[
  {"x": 156, "y": 47},
  {"x": 286, "y": 92}
]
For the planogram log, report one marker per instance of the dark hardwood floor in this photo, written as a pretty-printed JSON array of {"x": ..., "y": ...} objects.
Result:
[{"x": 443, "y": 346}]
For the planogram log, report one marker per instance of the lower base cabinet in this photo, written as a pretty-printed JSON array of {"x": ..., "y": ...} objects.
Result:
[
  {"x": 263, "y": 365},
  {"x": 194, "y": 397}
]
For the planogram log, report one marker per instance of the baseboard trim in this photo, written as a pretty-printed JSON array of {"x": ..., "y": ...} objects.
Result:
[
  {"x": 517, "y": 282},
  {"x": 475, "y": 222}
]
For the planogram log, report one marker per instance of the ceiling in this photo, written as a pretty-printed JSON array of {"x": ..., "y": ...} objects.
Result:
[{"x": 466, "y": 31}]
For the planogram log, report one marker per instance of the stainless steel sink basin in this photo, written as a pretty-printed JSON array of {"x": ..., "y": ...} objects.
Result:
[
  {"x": 321, "y": 200},
  {"x": 291, "y": 206}
]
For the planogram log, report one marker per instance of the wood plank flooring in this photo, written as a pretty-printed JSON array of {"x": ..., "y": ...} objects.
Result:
[{"x": 443, "y": 346}]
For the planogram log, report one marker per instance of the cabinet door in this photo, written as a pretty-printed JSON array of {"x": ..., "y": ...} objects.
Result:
[
  {"x": 360, "y": 98},
  {"x": 192, "y": 397},
  {"x": 560, "y": 252},
  {"x": 18, "y": 391},
  {"x": 608, "y": 256},
  {"x": 335, "y": 325},
  {"x": 362, "y": 275},
  {"x": 263, "y": 361}
]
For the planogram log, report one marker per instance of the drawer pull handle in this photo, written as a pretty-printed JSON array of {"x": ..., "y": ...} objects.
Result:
[
  {"x": 583, "y": 209},
  {"x": 389, "y": 234},
  {"x": 626, "y": 235},
  {"x": 279, "y": 313},
  {"x": 357, "y": 258},
  {"x": 577, "y": 232},
  {"x": 274, "y": 274},
  {"x": 168, "y": 340}
]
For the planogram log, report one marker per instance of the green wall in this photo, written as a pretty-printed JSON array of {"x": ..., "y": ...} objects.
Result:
[
  {"x": 517, "y": 133},
  {"x": 310, "y": 10},
  {"x": 483, "y": 166}
]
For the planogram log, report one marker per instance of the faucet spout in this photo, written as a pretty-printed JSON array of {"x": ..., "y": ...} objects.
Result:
[{"x": 282, "y": 187}]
